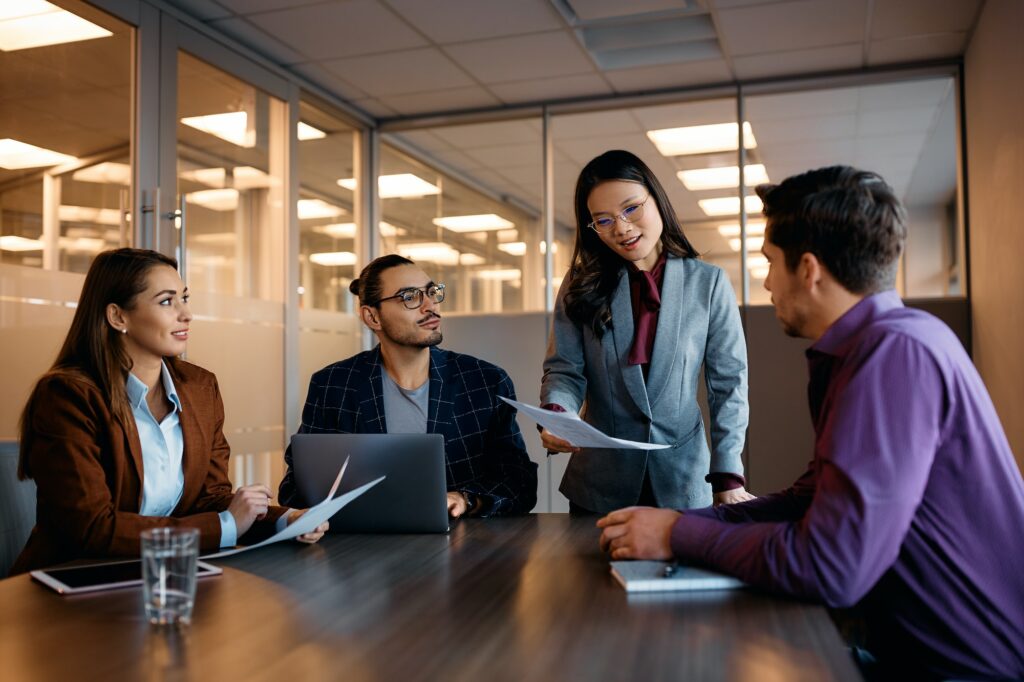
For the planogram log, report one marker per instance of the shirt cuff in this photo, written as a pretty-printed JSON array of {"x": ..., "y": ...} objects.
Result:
[
  {"x": 723, "y": 480},
  {"x": 282, "y": 520},
  {"x": 228, "y": 530}
]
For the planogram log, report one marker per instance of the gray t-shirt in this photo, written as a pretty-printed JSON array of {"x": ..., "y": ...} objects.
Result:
[{"x": 405, "y": 409}]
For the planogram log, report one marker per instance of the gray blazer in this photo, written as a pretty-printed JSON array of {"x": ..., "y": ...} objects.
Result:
[{"x": 699, "y": 323}]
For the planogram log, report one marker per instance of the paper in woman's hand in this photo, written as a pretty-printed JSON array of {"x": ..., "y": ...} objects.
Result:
[{"x": 569, "y": 426}]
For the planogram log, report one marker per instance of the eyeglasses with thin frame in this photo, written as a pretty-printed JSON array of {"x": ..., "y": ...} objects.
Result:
[
  {"x": 630, "y": 214},
  {"x": 413, "y": 298}
]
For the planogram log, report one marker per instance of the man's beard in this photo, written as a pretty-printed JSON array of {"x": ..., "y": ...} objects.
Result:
[{"x": 413, "y": 340}]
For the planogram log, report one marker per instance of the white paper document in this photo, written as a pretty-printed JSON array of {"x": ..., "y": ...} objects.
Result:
[
  {"x": 569, "y": 426},
  {"x": 308, "y": 522}
]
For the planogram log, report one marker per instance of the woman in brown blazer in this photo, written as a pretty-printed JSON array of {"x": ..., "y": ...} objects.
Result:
[{"x": 121, "y": 435}]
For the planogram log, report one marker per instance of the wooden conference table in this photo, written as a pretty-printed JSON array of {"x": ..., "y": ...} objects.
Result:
[{"x": 525, "y": 598}]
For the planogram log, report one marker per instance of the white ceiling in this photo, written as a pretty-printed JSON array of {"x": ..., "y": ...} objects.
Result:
[{"x": 394, "y": 58}]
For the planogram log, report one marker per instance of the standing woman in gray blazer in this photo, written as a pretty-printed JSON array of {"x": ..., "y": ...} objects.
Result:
[{"x": 636, "y": 318}]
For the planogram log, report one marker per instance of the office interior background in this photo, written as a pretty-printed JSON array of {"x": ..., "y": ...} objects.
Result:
[{"x": 276, "y": 146}]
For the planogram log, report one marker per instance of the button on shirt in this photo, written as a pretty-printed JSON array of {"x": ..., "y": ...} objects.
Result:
[
  {"x": 163, "y": 479},
  {"x": 912, "y": 507}
]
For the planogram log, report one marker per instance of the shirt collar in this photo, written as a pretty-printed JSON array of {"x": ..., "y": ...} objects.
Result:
[
  {"x": 137, "y": 390},
  {"x": 655, "y": 272},
  {"x": 836, "y": 337}
]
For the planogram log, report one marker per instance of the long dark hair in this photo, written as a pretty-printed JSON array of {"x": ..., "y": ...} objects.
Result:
[
  {"x": 93, "y": 350},
  {"x": 595, "y": 269}
]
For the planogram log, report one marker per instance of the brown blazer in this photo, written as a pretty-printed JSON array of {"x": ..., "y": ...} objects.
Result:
[{"x": 87, "y": 467}]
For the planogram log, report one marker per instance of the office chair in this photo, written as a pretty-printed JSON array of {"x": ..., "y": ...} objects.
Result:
[{"x": 17, "y": 507}]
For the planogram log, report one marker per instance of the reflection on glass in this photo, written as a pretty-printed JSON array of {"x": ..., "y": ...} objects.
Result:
[
  {"x": 230, "y": 172},
  {"x": 904, "y": 131},
  {"x": 64, "y": 140},
  {"x": 328, "y": 235},
  {"x": 479, "y": 230}
]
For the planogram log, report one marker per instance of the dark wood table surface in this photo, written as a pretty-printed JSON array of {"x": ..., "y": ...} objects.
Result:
[{"x": 527, "y": 598}]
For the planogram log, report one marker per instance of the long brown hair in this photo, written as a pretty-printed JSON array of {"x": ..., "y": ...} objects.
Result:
[
  {"x": 595, "y": 268},
  {"x": 93, "y": 350}
]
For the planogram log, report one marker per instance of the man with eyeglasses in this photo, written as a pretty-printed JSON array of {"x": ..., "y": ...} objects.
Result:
[{"x": 407, "y": 384}]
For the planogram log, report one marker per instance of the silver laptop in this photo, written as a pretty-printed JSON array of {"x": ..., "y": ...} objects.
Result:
[{"x": 411, "y": 499}]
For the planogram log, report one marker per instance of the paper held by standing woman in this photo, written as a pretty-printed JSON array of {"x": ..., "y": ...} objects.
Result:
[{"x": 569, "y": 426}]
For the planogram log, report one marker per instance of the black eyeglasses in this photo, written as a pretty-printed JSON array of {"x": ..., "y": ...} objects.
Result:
[{"x": 413, "y": 298}]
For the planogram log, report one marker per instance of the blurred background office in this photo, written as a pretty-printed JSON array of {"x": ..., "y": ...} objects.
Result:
[{"x": 276, "y": 146}]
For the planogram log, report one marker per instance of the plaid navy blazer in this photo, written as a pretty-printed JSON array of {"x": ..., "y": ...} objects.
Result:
[{"x": 484, "y": 450}]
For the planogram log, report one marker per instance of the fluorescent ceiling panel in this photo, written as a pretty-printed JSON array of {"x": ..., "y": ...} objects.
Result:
[
  {"x": 399, "y": 186},
  {"x": 231, "y": 127},
  {"x": 753, "y": 243},
  {"x": 334, "y": 258},
  {"x": 513, "y": 248},
  {"x": 247, "y": 177},
  {"x": 215, "y": 199},
  {"x": 337, "y": 230},
  {"x": 15, "y": 155},
  {"x": 211, "y": 177},
  {"x": 503, "y": 275},
  {"x": 722, "y": 178},
  {"x": 730, "y": 205},
  {"x": 317, "y": 208},
  {"x": 760, "y": 272},
  {"x": 214, "y": 238},
  {"x": 471, "y": 259},
  {"x": 308, "y": 132},
  {"x": 107, "y": 173},
  {"x": 88, "y": 214},
  {"x": 754, "y": 227},
  {"x": 473, "y": 223},
  {"x": 34, "y": 23},
  {"x": 433, "y": 252},
  {"x": 82, "y": 244},
  {"x": 389, "y": 230},
  {"x": 12, "y": 243},
  {"x": 706, "y": 139}
]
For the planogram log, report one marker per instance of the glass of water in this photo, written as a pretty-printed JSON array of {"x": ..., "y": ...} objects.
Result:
[{"x": 169, "y": 558}]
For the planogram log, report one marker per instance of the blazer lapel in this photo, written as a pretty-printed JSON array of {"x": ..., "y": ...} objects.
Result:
[
  {"x": 440, "y": 406},
  {"x": 622, "y": 334},
  {"x": 665, "y": 353},
  {"x": 131, "y": 436},
  {"x": 195, "y": 458}
]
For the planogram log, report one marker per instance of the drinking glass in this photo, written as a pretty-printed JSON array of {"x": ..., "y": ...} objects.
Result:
[{"x": 169, "y": 558}]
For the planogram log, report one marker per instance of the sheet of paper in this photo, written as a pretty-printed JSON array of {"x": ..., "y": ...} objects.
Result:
[
  {"x": 306, "y": 523},
  {"x": 569, "y": 426}
]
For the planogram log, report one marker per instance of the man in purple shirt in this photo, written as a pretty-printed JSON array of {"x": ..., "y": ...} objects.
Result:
[{"x": 912, "y": 508}]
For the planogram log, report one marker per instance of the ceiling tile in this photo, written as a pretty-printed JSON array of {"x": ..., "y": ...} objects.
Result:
[
  {"x": 339, "y": 29},
  {"x": 669, "y": 76},
  {"x": 422, "y": 139},
  {"x": 919, "y": 94},
  {"x": 727, "y": 4},
  {"x": 489, "y": 134},
  {"x": 510, "y": 154},
  {"x": 374, "y": 108},
  {"x": 799, "y": 61},
  {"x": 793, "y": 25},
  {"x": 328, "y": 80},
  {"x": 551, "y": 89},
  {"x": 451, "y": 21},
  {"x": 916, "y": 48},
  {"x": 538, "y": 55},
  {"x": 799, "y": 127},
  {"x": 594, "y": 123},
  {"x": 896, "y": 121},
  {"x": 582, "y": 150},
  {"x": 722, "y": 110},
  {"x": 396, "y": 73},
  {"x": 816, "y": 102},
  {"x": 201, "y": 9},
  {"x": 441, "y": 100},
  {"x": 589, "y": 10},
  {"x": 901, "y": 18},
  {"x": 253, "y": 6},
  {"x": 247, "y": 34}
]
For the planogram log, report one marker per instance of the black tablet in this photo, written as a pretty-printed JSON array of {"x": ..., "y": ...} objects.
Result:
[{"x": 109, "y": 576}]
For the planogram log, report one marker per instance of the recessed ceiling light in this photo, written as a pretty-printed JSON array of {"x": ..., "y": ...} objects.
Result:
[
  {"x": 389, "y": 230},
  {"x": 471, "y": 259},
  {"x": 82, "y": 244},
  {"x": 730, "y": 205},
  {"x": 502, "y": 275},
  {"x": 513, "y": 248},
  {"x": 721, "y": 178},
  {"x": 308, "y": 132},
  {"x": 34, "y": 23},
  {"x": 15, "y": 155},
  {"x": 211, "y": 177},
  {"x": 754, "y": 227},
  {"x": 231, "y": 127},
  {"x": 337, "y": 230},
  {"x": 399, "y": 186},
  {"x": 434, "y": 252},
  {"x": 473, "y": 223},
  {"x": 214, "y": 238},
  {"x": 753, "y": 243},
  {"x": 334, "y": 258},
  {"x": 88, "y": 214},
  {"x": 108, "y": 173},
  {"x": 14, "y": 243},
  {"x": 317, "y": 208},
  {"x": 215, "y": 199},
  {"x": 247, "y": 177},
  {"x": 706, "y": 139}
]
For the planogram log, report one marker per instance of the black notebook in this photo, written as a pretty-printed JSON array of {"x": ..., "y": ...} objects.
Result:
[{"x": 650, "y": 576}]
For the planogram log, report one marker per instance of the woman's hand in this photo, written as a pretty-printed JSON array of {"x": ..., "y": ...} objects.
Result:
[
  {"x": 553, "y": 443},
  {"x": 249, "y": 505},
  {"x": 734, "y": 496},
  {"x": 313, "y": 536}
]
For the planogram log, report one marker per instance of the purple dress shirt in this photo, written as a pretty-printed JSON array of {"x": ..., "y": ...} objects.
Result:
[{"x": 912, "y": 508}]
